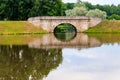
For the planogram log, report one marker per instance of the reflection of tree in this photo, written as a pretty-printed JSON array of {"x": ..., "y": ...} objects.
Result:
[{"x": 19, "y": 62}]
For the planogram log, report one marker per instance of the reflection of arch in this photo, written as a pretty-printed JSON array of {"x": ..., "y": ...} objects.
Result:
[
  {"x": 62, "y": 36},
  {"x": 65, "y": 24}
]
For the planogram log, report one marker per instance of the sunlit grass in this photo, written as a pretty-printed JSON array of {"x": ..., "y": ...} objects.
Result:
[
  {"x": 19, "y": 27},
  {"x": 108, "y": 26}
]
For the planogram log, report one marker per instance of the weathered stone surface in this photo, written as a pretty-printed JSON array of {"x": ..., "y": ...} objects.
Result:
[{"x": 81, "y": 23}]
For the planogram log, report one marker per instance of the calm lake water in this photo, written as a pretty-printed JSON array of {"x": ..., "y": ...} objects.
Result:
[{"x": 60, "y": 57}]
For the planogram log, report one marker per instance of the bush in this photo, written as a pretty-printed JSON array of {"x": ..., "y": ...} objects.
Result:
[{"x": 114, "y": 17}]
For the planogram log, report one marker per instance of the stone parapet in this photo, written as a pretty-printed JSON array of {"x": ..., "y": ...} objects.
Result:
[{"x": 48, "y": 23}]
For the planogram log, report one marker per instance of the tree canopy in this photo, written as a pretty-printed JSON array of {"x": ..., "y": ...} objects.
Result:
[
  {"x": 97, "y": 13},
  {"x": 80, "y": 9},
  {"x": 22, "y": 9},
  {"x": 77, "y": 11}
]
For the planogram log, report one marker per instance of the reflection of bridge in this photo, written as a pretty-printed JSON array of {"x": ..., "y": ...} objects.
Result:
[
  {"x": 50, "y": 41},
  {"x": 49, "y": 23}
]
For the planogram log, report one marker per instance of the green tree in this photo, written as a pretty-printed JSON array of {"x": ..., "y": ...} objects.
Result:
[
  {"x": 47, "y": 8},
  {"x": 97, "y": 13},
  {"x": 2, "y": 10},
  {"x": 89, "y": 6},
  {"x": 15, "y": 9},
  {"x": 77, "y": 11},
  {"x": 79, "y": 4},
  {"x": 114, "y": 17},
  {"x": 69, "y": 5},
  {"x": 23, "y": 9},
  {"x": 11, "y": 9}
]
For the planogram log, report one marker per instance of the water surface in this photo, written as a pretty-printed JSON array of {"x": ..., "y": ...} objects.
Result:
[{"x": 47, "y": 57}]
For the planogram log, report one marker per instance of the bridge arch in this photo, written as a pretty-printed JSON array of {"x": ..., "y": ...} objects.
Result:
[{"x": 68, "y": 25}]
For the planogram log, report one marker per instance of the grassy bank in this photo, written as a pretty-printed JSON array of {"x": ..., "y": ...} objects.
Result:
[
  {"x": 19, "y": 27},
  {"x": 107, "y": 26}
]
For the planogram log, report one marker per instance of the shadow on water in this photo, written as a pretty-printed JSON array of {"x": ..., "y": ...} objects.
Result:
[{"x": 22, "y": 62}]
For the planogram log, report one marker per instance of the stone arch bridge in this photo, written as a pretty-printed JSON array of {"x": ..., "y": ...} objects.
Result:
[{"x": 48, "y": 23}]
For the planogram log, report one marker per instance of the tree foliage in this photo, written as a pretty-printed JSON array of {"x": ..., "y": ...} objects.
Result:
[
  {"x": 77, "y": 11},
  {"x": 97, "y": 13},
  {"x": 114, "y": 17},
  {"x": 79, "y": 4},
  {"x": 22, "y": 9},
  {"x": 111, "y": 10},
  {"x": 47, "y": 8},
  {"x": 15, "y": 9},
  {"x": 69, "y": 6},
  {"x": 80, "y": 9}
]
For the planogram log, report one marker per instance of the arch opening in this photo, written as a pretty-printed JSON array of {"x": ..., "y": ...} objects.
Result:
[
  {"x": 65, "y": 32},
  {"x": 65, "y": 28}
]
